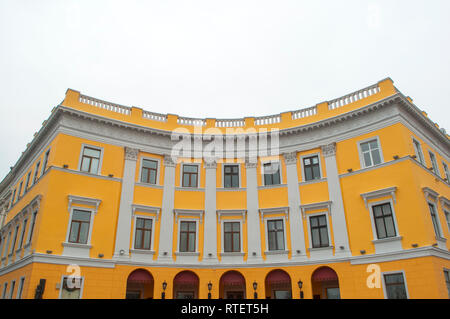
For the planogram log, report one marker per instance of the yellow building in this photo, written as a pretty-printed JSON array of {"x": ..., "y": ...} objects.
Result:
[{"x": 346, "y": 199}]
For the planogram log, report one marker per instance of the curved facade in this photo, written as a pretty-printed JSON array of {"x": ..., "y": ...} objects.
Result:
[{"x": 346, "y": 199}]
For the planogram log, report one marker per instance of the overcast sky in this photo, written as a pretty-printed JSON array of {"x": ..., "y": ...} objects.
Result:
[{"x": 210, "y": 58}]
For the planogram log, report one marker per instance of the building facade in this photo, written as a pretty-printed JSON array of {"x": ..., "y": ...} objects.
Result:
[{"x": 349, "y": 198}]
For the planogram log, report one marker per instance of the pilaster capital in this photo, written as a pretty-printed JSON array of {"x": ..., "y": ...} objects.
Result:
[
  {"x": 251, "y": 162},
  {"x": 290, "y": 158},
  {"x": 170, "y": 160},
  {"x": 329, "y": 149},
  {"x": 131, "y": 154},
  {"x": 210, "y": 163}
]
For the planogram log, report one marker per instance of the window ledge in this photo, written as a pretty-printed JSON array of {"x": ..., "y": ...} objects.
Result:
[
  {"x": 386, "y": 240},
  {"x": 321, "y": 248},
  {"x": 230, "y": 189},
  {"x": 276, "y": 252},
  {"x": 142, "y": 251},
  {"x": 181, "y": 188},
  {"x": 84, "y": 246},
  {"x": 441, "y": 239},
  {"x": 232, "y": 254},
  {"x": 183, "y": 253},
  {"x": 149, "y": 185},
  {"x": 313, "y": 181},
  {"x": 272, "y": 186}
]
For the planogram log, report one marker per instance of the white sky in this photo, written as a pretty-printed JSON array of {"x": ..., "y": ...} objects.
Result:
[{"x": 210, "y": 58}]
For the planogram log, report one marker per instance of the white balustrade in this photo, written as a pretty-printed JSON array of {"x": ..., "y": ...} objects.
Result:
[
  {"x": 154, "y": 116},
  {"x": 105, "y": 105},
  {"x": 265, "y": 120},
  {"x": 353, "y": 97},
  {"x": 310, "y": 111},
  {"x": 230, "y": 123}
]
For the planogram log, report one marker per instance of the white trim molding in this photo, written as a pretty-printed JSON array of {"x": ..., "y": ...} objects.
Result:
[
  {"x": 390, "y": 191},
  {"x": 316, "y": 206},
  {"x": 146, "y": 209}
]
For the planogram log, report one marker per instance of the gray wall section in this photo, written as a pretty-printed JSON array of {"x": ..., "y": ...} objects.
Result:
[
  {"x": 253, "y": 219},
  {"x": 210, "y": 229}
]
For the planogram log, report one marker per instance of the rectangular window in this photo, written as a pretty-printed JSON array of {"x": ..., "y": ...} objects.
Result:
[
  {"x": 395, "y": 286},
  {"x": 272, "y": 173},
  {"x": 27, "y": 183},
  {"x": 90, "y": 160},
  {"x": 79, "y": 227},
  {"x": 232, "y": 236},
  {"x": 20, "y": 191},
  {"x": 447, "y": 281},
  {"x": 446, "y": 171},
  {"x": 275, "y": 233},
  {"x": 231, "y": 176},
  {"x": 5, "y": 251},
  {"x": 20, "y": 288},
  {"x": 187, "y": 236},
  {"x": 33, "y": 221},
  {"x": 311, "y": 167},
  {"x": 2, "y": 246},
  {"x": 149, "y": 171},
  {"x": 11, "y": 291},
  {"x": 13, "y": 197},
  {"x": 190, "y": 176},
  {"x": 434, "y": 219},
  {"x": 44, "y": 165},
  {"x": 384, "y": 221},
  {"x": 22, "y": 236},
  {"x": 434, "y": 163},
  {"x": 319, "y": 231},
  {"x": 13, "y": 244},
  {"x": 371, "y": 153},
  {"x": 36, "y": 173},
  {"x": 143, "y": 235},
  {"x": 5, "y": 289},
  {"x": 419, "y": 154},
  {"x": 447, "y": 218}
]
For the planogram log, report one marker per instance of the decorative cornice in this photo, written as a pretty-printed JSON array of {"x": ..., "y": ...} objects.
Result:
[
  {"x": 390, "y": 191},
  {"x": 131, "y": 154},
  {"x": 236, "y": 212},
  {"x": 315, "y": 206},
  {"x": 83, "y": 201},
  {"x": 329, "y": 150},
  {"x": 146, "y": 209},
  {"x": 430, "y": 194},
  {"x": 444, "y": 202}
]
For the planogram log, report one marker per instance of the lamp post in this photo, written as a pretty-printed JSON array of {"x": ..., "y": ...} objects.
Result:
[
  {"x": 209, "y": 290},
  {"x": 300, "y": 285},
  {"x": 255, "y": 286},
  {"x": 164, "y": 286}
]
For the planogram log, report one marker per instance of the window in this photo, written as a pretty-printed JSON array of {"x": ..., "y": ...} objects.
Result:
[
  {"x": 36, "y": 173},
  {"x": 22, "y": 236},
  {"x": 27, "y": 183},
  {"x": 370, "y": 152},
  {"x": 434, "y": 219},
  {"x": 13, "y": 244},
  {"x": 275, "y": 233},
  {"x": 419, "y": 153},
  {"x": 71, "y": 288},
  {"x": 231, "y": 176},
  {"x": 90, "y": 160},
  {"x": 447, "y": 218},
  {"x": 434, "y": 163},
  {"x": 187, "y": 236},
  {"x": 384, "y": 221},
  {"x": 149, "y": 171},
  {"x": 5, "y": 289},
  {"x": 143, "y": 235},
  {"x": 20, "y": 190},
  {"x": 33, "y": 221},
  {"x": 12, "y": 198},
  {"x": 232, "y": 236},
  {"x": 44, "y": 165},
  {"x": 395, "y": 286},
  {"x": 272, "y": 173},
  {"x": 319, "y": 231},
  {"x": 447, "y": 281},
  {"x": 190, "y": 175},
  {"x": 311, "y": 167},
  {"x": 7, "y": 244},
  {"x": 79, "y": 228},
  {"x": 446, "y": 171},
  {"x": 20, "y": 288},
  {"x": 11, "y": 291}
]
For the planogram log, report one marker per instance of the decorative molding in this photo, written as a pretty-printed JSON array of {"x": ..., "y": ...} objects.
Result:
[
  {"x": 251, "y": 162},
  {"x": 131, "y": 154},
  {"x": 146, "y": 209},
  {"x": 83, "y": 201},
  {"x": 210, "y": 164},
  {"x": 189, "y": 212},
  {"x": 231, "y": 212},
  {"x": 290, "y": 158},
  {"x": 329, "y": 149},
  {"x": 390, "y": 191},
  {"x": 430, "y": 194},
  {"x": 444, "y": 202},
  {"x": 170, "y": 160},
  {"x": 276, "y": 210},
  {"x": 315, "y": 206}
]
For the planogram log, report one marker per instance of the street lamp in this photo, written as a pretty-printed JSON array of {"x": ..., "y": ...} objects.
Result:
[
  {"x": 300, "y": 285},
  {"x": 209, "y": 290},
  {"x": 255, "y": 286},
  {"x": 164, "y": 286}
]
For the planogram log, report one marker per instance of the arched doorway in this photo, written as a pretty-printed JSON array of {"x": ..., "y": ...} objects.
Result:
[
  {"x": 185, "y": 285},
  {"x": 278, "y": 285},
  {"x": 325, "y": 284},
  {"x": 139, "y": 285},
  {"x": 232, "y": 285}
]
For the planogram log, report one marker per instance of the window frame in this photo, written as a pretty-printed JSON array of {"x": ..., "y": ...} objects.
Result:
[
  {"x": 20, "y": 288},
  {"x": 45, "y": 161},
  {"x": 383, "y": 280},
  {"x": 36, "y": 172},
  {"x": 182, "y": 174},
  {"x": 238, "y": 174},
  {"x": 27, "y": 183},
  {"x": 11, "y": 289},
  {"x": 24, "y": 230},
  {"x": 419, "y": 152},
  {"x": 31, "y": 226},
  {"x": 372, "y": 219},
  {"x": 437, "y": 225},
  {"x": 79, "y": 227},
  {"x": 152, "y": 232},
  {"x": 158, "y": 169},
  {"x": 302, "y": 158},
  {"x": 80, "y": 160},
  {"x": 361, "y": 154},
  {"x": 223, "y": 222},
  {"x": 309, "y": 225},
  {"x": 280, "y": 172},
  {"x": 434, "y": 163},
  {"x": 446, "y": 172},
  {"x": 447, "y": 280},
  {"x": 180, "y": 220}
]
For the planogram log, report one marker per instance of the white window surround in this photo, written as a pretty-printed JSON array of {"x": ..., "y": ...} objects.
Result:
[
  {"x": 361, "y": 156},
  {"x": 99, "y": 148},
  {"x": 197, "y": 217},
  {"x": 11, "y": 289},
  {"x": 64, "y": 277},
  {"x": 75, "y": 203},
  {"x": 199, "y": 166},
  {"x": 418, "y": 150},
  {"x": 432, "y": 197},
  {"x": 393, "y": 273},
  {"x": 239, "y": 216},
  {"x": 20, "y": 288},
  {"x": 280, "y": 167},
  {"x": 239, "y": 175},
  {"x": 283, "y": 214},
  {"x": 308, "y": 225},
  {"x": 446, "y": 172},
  {"x": 158, "y": 170},
  {"x": 136, "y": 210},
  {"x": 434, "y": 163},
  {"x": 303, "y": 167},
  {"x": 45, "y": 161},
  {"x": 222, "y": 249}
]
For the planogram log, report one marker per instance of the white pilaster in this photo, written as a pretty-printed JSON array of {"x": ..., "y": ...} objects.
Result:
[
  {"x": 337, "y": 206},
  {"x": 210, "y": 229},
  {"x": 123, "y": 233}
]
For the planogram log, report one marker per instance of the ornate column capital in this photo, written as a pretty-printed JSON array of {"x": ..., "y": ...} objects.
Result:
[
  {"x": 329, "y": 149},
  {"x": 210, "y": 163},
  {"x": 131, "y": 153},
  {"x": 291, "y": 157},
  {"x": 170, "y": 161},
  {"x": 251, "y": 162}
]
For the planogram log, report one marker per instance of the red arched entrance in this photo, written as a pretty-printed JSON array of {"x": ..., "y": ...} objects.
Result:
[
  {"x": 139, "y": 285},
  {"x": 325, "y": 284},
  {"x": 232, "y": 285},
  {"x": 278, "y": 285},
  {"x": 185, "y": 285}
]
